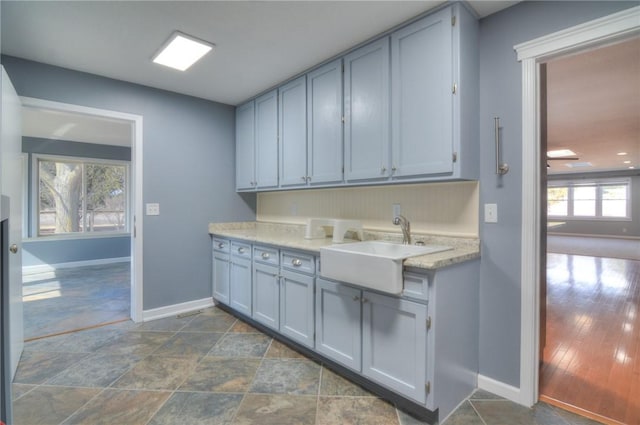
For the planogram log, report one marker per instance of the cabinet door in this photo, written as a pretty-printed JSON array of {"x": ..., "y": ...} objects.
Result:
[
  {"x": 293, "y": 133},
  {"x": 221, "y": 277},
  {"x": 324, "y": 118},
  {"x": 296, "y": 307},
  {"x": 366, "y": 112},
  {"x": 422, "y": 98},
  {"x": 266, "y": 295},
  {"x": 338, "y": 331},
  {"x": 245, "y": 145},
  {"x": 394, "y": 335},
  {"x": 267, "y": 140},
  {"x": 240, "y": 285}
]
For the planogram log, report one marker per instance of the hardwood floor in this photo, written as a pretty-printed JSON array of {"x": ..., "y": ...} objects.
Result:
[{"x": 591, "y": 359}]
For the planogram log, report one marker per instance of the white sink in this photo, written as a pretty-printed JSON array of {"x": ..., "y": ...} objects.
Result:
[{"x": 371, "y": 264}]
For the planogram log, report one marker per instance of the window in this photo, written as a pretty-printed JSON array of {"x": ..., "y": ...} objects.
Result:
[
  {"x": 603, "y": 199},
  {"x": 81, "y": 196}
]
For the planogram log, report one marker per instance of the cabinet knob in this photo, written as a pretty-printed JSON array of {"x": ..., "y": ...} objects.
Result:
[
  {"x": 265, "y": 255},
  {"x": 296, "y": 262},
  {"x": 308, "y": 178},
  {"x": 304, "y": 178},
  {"x": 356, "y": 298},
  {"x": 241, "y": 250},
  {"x": 393, "y": 169},
  {"x": 365, "y": 300},
  {"x": 220, "y": 245},
  {"x": 383, "y": 170},
  {"x": 13, "y": 248}
]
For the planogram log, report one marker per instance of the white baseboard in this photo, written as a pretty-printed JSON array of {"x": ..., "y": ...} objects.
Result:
[
  {"x": 500, "y": 388},
  {"x": 43, "y": 268},
  {"x": 175, "y": 309}
]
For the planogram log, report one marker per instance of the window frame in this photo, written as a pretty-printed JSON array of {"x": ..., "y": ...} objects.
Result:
[
  {"x": 599, "y": 183},
  {"x": 35, "y": 197}
]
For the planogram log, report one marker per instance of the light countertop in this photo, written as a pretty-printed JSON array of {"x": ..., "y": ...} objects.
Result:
[{"x": 292, "y": 236}]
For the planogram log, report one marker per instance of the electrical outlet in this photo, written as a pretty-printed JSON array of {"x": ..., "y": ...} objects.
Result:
[
  {"x": 396, "y": 210},
  {"x": 153, "y": 209},
  {"x": 490, "y": 213}
]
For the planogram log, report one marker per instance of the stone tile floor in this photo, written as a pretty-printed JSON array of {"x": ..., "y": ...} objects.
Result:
[
  {"x": 211, "y": 369},
  {"x": 67, "y": 299}
]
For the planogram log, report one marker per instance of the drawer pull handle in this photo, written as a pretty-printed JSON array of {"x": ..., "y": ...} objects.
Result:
[
  {"x": 220, "y": 245},
  {"x": 296, "y": 262},
  {"x": 365, "y": 300},
  {"x": 356, "y": 298},
  {"x": 265, "y": 255},
  {"x": 241, "y": 250}
]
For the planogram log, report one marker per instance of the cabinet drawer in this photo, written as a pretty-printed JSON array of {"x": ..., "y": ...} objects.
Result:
[
  {"x": 266, "y": 255},
  {"x": 416, "y": 286},
  {"x": 304, "y": 263},
  {"x": 220, "y": 245},
  {"x": 241, "y": 250}
]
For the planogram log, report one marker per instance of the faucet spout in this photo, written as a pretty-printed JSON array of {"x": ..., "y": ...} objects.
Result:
[{"x": 405, "y": 226}]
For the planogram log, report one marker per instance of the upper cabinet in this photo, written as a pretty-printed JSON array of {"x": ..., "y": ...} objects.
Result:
[
  {"x": 324, "y": 119},
  {"x": 422, "y": 97},
  {"x": 245, "y": 147},
  {"x": 267, "y": 141},
  {"x": 403, "y": 108},
  {"x": 257, "y": 143},
  {"x": 366, "y": 112},
  {"x": 293, "y": 133}
]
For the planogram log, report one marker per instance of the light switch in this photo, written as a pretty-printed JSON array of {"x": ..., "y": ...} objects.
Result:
[
  {"x": 490, "y": 213},
  {"x": 153, "y": 209}
]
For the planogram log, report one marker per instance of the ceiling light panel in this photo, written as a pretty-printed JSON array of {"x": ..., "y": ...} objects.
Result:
[{"x": 181, "y": 51}]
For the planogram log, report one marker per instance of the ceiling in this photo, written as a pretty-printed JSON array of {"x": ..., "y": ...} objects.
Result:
[
  {"x": 258, "y": 43},
  {"x": 593, "y": 108}
]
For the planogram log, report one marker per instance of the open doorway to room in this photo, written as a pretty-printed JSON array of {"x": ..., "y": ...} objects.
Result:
[
  {"x": 590, "y": 281},
  {"x": 79, "y": 254}
]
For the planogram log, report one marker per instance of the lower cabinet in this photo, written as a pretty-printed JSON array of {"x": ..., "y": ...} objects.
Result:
[
  {"x": 394, "y": 343},
  {"x": 338, "y": 330},
  {"x": 266, "y": 295},
  {"x": 220, "y": 275},
  {"x": 296, "y": 307},
  {"x": 240, "y": 285}
]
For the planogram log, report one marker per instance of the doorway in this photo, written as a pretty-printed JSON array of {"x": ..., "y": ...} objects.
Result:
[
  {"x": 593, "y": 33},
  {"x": 134, "y": 200}
]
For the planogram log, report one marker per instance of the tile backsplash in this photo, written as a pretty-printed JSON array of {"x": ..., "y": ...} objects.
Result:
[{"x": 436, "y": 208}]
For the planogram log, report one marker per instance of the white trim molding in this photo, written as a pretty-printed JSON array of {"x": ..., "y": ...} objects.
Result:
[
  {"x": 498, "y": 388},
  {"x": 175, "y": 309},
  {"x": 591, "y": 34},
  {"x": 136, "y": 194}
]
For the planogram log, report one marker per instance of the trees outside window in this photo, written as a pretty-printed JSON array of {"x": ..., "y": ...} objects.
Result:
[{"x": 81, "y": 196}]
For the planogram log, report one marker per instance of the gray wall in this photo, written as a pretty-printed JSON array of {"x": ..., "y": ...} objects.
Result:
[
  {"x": 56, "y": 251},
  {"x": 188, "y": 169},
  {"x": 613, "y": 228},
  {"x": 501, "y": 95}
]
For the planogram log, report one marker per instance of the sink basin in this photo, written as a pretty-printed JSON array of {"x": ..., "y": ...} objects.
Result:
[{"x": 371, "y": 264}]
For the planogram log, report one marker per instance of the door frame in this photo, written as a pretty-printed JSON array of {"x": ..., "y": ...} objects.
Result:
[
  {"x": 591, "y": 34},
  {"x": 136, "y": 213}
]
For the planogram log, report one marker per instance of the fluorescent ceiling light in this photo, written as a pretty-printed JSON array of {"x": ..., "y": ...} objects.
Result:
[
  {"x": 181, "y": 51},
  {"x": 560, "y": 153}
]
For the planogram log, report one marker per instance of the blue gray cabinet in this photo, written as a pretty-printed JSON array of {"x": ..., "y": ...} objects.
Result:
[
  {"x": 266, "y": 295},
  {"x": 394, "y": 343},
  {"x": 220, "y": 270},
  {"x": 366, "y": 112},
  {"x": 324, "y": 124},
  {"x": 240, "y": 278},
  {"x": 422, "y": 97},
  {"x": 293, "y": 133},
  {"x": 266, "y": 140},
  {"x": 338, "y": 330},
  {"x": 297, "y": 307},
  {"x": 245, "y": 147}
]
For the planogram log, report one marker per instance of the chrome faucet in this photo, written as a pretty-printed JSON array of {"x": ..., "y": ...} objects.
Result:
[{"x": 406, "y": 228}]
